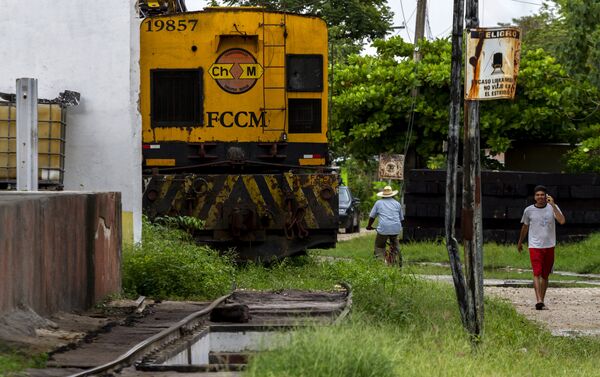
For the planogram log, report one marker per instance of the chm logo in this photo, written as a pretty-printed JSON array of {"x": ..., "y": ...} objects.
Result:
[{"x": 236, "y": 71}]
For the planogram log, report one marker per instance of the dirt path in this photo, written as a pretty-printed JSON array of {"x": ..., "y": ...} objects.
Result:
[
  {"x": 349, "y": 236},
  {"x": 572, "y": 311}
]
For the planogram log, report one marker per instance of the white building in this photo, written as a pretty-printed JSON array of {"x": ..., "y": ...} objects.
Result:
[{"x": 91, "y": 47}]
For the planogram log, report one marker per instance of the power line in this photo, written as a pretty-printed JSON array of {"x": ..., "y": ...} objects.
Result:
[
  {"x": 527, "y": 2},
  {"x": 427, "y": 24},
  {"x": 405, "y": 24},
  {"x": 444, "y": 32}
]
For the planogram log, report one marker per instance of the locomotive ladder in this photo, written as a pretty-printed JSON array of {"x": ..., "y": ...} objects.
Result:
[{"x": 273, "y": 48}]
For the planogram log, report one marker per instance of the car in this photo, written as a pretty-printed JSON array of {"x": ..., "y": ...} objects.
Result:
[{"x": 349, "y": 212}]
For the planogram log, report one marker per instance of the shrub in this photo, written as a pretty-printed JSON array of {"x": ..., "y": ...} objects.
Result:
[
  {"x": 586, "y": 157},
  {"x": 168, "y": 264}
]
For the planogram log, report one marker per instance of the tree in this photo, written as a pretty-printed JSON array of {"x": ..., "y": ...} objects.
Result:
[
  {"x": 350, "y": 22},
  {"x": 372, "y": 102}
]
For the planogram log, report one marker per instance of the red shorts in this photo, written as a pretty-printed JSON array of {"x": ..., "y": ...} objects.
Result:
[{"x": 542, "y": 261}]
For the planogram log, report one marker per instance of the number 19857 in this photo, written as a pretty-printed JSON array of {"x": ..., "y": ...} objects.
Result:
[{"x": 171, "y": 25}]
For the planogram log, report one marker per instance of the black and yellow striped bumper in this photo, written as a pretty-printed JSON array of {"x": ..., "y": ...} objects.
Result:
[{"x": 281, "y": 213}]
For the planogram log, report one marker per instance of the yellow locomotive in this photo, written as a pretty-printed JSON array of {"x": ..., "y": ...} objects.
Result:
[{"x": 234, "y": 122}]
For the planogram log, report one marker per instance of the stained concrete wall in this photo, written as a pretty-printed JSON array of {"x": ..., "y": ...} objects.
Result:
[
  {"x": 91, "y": 47},
  {"x": 59, "y": 251}
]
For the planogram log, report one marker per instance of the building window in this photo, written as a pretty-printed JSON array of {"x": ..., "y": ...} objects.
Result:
[
  {"x": 304, "y": 73},
  {"x": 176, "y": 98},
  {"x": 304, "y": 116}
]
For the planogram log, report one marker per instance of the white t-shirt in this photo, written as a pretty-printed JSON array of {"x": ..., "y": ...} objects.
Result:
[{"x": 542, "y": 226}]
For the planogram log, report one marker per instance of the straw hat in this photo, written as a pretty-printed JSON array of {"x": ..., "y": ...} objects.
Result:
[{"x": 387, "y": 192}]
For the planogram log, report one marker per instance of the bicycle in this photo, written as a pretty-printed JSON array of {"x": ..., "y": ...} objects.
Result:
[{"x": 392, "y": 256}]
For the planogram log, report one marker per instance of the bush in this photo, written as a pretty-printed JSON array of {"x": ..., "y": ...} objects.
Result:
[
  {"x": 586, "y": 157},
  {"x": 168, "y": 264}
]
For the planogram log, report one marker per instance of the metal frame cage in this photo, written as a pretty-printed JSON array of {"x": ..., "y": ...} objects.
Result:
[{"x": 51, "y": 144}]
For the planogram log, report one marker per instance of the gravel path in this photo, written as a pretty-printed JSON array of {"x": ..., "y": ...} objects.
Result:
[{"x": 572, "y": 311}]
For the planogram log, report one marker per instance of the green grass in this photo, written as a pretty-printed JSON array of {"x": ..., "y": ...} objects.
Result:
[
  {"x": 555, "y": 280},
  {"x": 12, "y": 362},
  {"x": 580, "y": 257},
  {"x": 402, "y": 326}
]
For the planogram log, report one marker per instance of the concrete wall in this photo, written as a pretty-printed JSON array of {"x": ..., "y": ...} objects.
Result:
[
  {"x": 91, "y": 47},
  {"x": 59, "y": 251}
]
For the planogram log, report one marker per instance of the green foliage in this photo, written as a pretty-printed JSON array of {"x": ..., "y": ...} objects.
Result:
[
  {"x": 406, "y": 324},
  {"x": 169, "y": 264},
  {"x": 330, "y": 352},
  {"x": 586, "y": 157},
  {"x": 13, "y": 361},
  {"x": 581, "y": 257},
  {"x": 372, "y": 103},
  {"x": 187, "y": 223},
  {"x": 363, "y": 182},
  {"x": 350, "y": 22}
]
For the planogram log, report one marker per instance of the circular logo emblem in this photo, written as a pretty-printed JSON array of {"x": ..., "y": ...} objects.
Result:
[{"x": 236, "y": 71}]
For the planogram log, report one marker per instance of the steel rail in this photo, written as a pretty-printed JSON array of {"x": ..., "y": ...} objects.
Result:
[
  {"x": 145, "y": 344},
  {"x": 348, "y": 305}
]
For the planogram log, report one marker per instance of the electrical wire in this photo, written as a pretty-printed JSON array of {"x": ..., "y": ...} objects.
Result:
[
  {"x": 405, "y": 24},
  {"x": 444, "y": 32},
  {"x": 427, "y": 24},
  {"x": 527, "y": 2}
]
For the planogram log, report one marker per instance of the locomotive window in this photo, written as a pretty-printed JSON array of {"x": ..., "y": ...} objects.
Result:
[
  {"x": 176, "y": 97},
  {"x": 304, "y": 116},
  {"x": 304, "y": 73}
]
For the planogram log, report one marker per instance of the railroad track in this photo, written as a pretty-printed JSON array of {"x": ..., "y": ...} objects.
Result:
[{"x": 218, "y": 337}]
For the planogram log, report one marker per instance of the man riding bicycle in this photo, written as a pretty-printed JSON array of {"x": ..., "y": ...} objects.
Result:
[{"x": 390, "y": 215}]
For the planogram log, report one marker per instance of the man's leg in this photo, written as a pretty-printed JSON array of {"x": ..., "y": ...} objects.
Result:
[
  {"x": 543, "y": 287},
  {"x": 536, "y": 265},
  {"x": 395, "y": 249},
  {"x": 380, "y": 246},
  {"x": 537, "y": 288},
  {"x": 547, "y": 266}
]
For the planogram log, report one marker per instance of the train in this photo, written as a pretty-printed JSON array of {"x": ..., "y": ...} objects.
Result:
[{"x": 234, "y": 108}]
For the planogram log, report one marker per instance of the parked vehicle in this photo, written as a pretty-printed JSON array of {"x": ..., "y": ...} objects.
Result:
[{"x": 349, "y": 210}]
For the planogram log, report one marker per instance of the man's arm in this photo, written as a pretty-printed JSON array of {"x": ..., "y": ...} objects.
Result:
[
  {"x": 370, "y": 224},
  {"x": 524, "y": 230},
  {"x": 557, "y": 213}
]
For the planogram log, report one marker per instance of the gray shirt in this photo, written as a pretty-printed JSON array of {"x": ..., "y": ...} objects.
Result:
[
  {"x": 542, "y": 226},
  {"x": 390, "y": 216}
]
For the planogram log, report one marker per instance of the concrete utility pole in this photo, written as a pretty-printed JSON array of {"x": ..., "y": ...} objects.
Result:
[
  {"x": 419, "y": 27},
  {"x": 471, "y": 203},
  {"x": 27, "y": 134}
]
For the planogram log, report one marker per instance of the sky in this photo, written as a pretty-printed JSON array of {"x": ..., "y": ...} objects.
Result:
[{"x": 491, "y": 12}]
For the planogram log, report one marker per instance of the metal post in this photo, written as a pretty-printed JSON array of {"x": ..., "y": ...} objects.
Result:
[
  {"x": 27, "y": 134},
  {"x": 452, "y": 162},
  {"x": 471, "y": 211}
]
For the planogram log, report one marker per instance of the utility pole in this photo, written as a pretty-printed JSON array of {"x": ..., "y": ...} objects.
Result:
[
  {"x": 452, "y": 164},
  {"x": 419, "y": 27},
  {"x": 471, "y": 203}
]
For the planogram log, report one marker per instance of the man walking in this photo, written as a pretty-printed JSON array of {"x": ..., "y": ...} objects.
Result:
[
  {"x": 390, "y": 224},
  {"x": 539, "y": 221}
]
